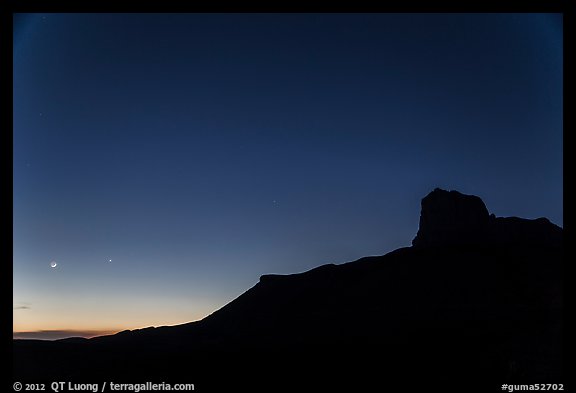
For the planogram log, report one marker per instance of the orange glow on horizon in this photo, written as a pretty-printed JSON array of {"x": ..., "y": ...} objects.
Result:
[{"x": 27, "y": 323}]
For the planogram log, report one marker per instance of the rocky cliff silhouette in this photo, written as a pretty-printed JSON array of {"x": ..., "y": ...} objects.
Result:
[
  {"x": 449, "y": 218},
  {"x": 476, "y": 298}
]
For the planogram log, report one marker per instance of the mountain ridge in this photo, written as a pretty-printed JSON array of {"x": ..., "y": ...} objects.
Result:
[{"x": 475, "y": 294}]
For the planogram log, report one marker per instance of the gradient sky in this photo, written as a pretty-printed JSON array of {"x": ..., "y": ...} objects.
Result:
[{"x": 198, "y": 152}]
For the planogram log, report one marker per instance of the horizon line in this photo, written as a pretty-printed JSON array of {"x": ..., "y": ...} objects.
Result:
[{"x": 58, "y": 334}]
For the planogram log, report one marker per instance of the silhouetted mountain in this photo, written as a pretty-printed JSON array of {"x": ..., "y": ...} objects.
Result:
[
  {"x": 449, "y": 218},
  {"x": 476, "y": 300}
]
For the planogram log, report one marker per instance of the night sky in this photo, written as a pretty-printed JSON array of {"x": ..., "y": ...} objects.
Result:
[{"x": 164, "y": 162}]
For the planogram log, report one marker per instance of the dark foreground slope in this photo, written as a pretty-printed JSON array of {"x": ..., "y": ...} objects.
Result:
[{"x": 476, "y": 300}]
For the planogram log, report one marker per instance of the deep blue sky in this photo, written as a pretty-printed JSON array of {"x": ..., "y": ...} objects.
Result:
[{"x": 201, "y": 151}]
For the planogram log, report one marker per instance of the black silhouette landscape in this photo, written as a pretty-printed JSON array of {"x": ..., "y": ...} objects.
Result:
[{"x": 477, "y": 298}]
